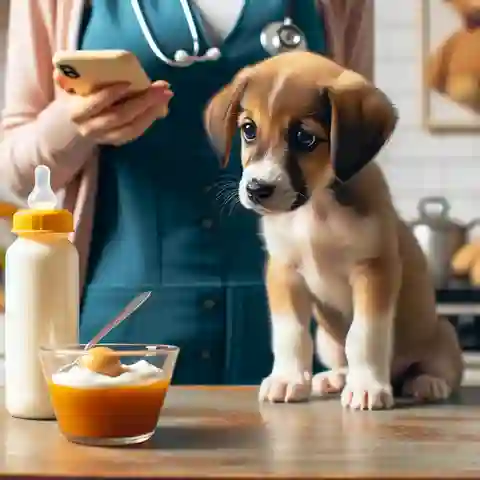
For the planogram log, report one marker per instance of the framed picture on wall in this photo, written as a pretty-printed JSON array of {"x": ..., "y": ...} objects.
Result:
[{"x": 451, "y": 66}]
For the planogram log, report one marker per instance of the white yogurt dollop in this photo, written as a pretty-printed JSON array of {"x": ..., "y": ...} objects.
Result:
[{"x": 139, "y": 373}]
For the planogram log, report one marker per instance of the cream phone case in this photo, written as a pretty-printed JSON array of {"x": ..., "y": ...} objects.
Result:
[{"x": 84, "y": 71}]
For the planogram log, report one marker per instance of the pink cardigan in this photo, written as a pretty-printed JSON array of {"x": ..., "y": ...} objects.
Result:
[{"x": 36, "y": 128}]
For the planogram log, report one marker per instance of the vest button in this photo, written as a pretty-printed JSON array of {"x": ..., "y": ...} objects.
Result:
[
  {"x": 209, "y": 304},
  {"x": 207, "y": 223}
]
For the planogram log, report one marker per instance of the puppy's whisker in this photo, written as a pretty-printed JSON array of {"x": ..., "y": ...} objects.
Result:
[
  {"x": 225, "y": 183},
  {"x": 235, "y": 202},
  {"x": 226, "y": 186},
  {"x": 233, "y": 205},
  {"x": 341, "y": 182},
  {"x": 226, "y": 191},
  {"x": 231, "y": 200},
  {"x": 231, "y": 197},
  {"x": 302, "y": 195},
  {"x": 222, "y": 191},
  {"x": 225, "y": 178}
]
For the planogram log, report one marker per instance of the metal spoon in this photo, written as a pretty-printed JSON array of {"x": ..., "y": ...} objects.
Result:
[{"x": 134, "y": 305}]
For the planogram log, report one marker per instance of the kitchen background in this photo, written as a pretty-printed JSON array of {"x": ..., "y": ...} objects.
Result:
[{"x": 417, "y": 163}]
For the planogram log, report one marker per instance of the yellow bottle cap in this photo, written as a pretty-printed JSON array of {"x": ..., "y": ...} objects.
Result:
[
  {"x": 42, "y": 221},
  {"x": 42, "y": 215}
]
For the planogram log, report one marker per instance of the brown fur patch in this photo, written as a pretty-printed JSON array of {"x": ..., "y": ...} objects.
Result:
[
  {"x": 221, "y": 115},
  {"x": 286, "y": 290},
  {"x": 375, "y": 285}
]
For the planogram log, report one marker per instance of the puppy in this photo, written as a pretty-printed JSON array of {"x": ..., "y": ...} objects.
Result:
[{"x": 336, "y": 247}]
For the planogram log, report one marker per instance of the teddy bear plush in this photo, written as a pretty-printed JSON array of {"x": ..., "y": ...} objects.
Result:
[
  {"x": 466, "y": 262},
  {"x": 453, "y": 69}
]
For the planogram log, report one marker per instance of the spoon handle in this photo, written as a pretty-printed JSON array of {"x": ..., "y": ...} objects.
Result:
[{"x": 138, "y": 301}]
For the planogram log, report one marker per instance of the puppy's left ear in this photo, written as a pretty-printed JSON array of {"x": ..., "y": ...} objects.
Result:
[
  {"x": 221, "y": 114},
  {"x": 363, "y": 118}
]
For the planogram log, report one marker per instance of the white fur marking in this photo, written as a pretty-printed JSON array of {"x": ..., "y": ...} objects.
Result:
[
  {"x": 269, "y": 170},
  {"x": 292, "y": 346},
  {"x": 326, "y": 283},
  {"x": 368, "y": 348},
  {"x": 278, "y": 235},
  {"x": 291, "y": 375},
  {"x": 276, "y": 91}
]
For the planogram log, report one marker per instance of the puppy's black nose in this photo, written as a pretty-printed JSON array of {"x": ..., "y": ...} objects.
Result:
[{"x": 257, "y": 191}]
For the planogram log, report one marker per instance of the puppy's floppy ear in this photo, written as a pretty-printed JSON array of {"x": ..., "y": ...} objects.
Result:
[
  {"x": 363, "y": 118},
  {"x": 222, "y": 112}
]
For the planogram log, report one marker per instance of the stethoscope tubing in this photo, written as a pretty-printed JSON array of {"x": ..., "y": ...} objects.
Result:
[{"x": 271, "y": 38}]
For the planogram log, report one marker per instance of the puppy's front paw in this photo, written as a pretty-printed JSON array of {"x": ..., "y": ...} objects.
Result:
[
  {"x": 331, "y": 381},
  {"x": 427, "y": 388},
  {"x": 293, "y": 387},
  {"x": 363, "y": 391}
]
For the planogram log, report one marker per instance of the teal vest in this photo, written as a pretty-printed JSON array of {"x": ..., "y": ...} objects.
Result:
[{"x": 162, "y": 222}]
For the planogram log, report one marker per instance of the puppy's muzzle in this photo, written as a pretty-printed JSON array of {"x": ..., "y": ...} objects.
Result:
[{"x": 258, "y": 191}]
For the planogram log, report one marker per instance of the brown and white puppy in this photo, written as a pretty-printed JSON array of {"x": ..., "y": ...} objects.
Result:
[{"x": 336, "y": 246}]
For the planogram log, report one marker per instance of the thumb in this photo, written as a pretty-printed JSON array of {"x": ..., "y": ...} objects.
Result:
[
  {"x": 162, "y": 90},
  {"x": 163, "y": 95},
  {"x": 161, "y": 84}
]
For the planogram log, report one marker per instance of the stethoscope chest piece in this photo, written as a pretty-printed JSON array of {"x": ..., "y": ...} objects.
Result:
[{"x": 281, "y": 37}]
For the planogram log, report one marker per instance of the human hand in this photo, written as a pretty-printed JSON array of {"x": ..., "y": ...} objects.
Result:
[{"x": 113, "y": 116}]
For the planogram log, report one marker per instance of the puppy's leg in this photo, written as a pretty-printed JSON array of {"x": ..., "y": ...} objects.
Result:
[
  {"x": 331, "y": 352},
  {"x": 440, "y": 370},
  {"x": 290, "y": 309},
  {"x": 369, "y": 343}
]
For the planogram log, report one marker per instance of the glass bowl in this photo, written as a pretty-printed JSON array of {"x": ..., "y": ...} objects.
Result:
[{"x": 97, "y": 404}]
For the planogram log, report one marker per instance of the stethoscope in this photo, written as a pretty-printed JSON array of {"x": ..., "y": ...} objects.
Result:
[{"x": 276, "y": 38}]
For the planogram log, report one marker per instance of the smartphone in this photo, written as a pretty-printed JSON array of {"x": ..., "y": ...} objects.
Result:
[{"x": 85, "y": 71}]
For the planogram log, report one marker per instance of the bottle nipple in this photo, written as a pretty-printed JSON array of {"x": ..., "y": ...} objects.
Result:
[{"x": 42, "y": 196}]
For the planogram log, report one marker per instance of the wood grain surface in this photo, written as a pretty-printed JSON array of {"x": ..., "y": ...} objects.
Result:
[{"x": 225, "y": 433}]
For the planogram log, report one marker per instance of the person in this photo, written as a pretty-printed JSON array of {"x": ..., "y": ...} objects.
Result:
[{"x": 150, "y": 200}]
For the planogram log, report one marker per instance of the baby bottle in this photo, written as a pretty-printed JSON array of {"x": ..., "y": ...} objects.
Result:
[{"x": 41, "y": 297}]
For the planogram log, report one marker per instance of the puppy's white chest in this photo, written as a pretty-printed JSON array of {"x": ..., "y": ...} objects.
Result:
[
  {"x": 326, "y": 280},
  {"x": 285, "y": 234},
  {"x": 295, "y": 238}
]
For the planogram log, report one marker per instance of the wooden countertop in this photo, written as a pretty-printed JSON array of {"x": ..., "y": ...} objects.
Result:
[{"x": 224, "y": 432}]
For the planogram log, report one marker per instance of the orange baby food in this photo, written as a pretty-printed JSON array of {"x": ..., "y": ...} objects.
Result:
[
  {"x": 108, "y": 412},
  {"x": 102, "y": 360}
]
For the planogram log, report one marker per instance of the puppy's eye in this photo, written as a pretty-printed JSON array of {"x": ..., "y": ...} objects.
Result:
[
  {"x": 302, "y": 140},
  {"x": 249, "y": 131}
]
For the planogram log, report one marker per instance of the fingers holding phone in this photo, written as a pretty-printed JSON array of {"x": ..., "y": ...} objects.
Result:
[
  {"x": 113, "y": 101},
  {"x": 124, "y": 119}
]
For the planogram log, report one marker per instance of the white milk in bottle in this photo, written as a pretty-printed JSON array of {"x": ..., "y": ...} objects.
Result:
[{"x": 42, "y": 297}]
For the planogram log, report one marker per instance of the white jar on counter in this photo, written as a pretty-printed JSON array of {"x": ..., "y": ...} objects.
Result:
[{"x": 42, "y": 297}]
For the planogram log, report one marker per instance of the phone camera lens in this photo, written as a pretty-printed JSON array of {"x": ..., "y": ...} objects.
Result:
[{"x": 69, "y": 71}]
